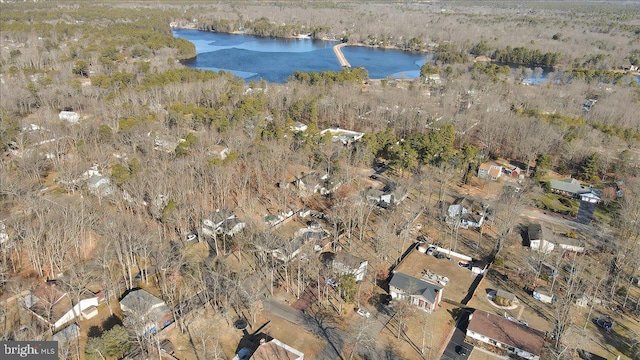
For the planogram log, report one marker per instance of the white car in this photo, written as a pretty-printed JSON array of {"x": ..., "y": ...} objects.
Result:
[
  {"x": 332, "y": 283},
  {"x": 363, "y": 312},
  {"x": 192, "y": 237}
]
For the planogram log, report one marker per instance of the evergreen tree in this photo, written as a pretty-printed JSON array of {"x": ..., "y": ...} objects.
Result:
[
  {"x": 543, "y": 165},
  {"x": 589, "y": 169}
]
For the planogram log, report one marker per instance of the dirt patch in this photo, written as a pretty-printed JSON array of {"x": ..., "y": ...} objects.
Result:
[{"x": 438, "y": 325}]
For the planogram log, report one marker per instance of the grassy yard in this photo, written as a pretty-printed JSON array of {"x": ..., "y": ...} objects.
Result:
[{"x": 558, "y": 204}]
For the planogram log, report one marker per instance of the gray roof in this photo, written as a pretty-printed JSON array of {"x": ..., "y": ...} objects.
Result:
[
  {"x": 94, "y": 180},
  {"x": 416, "y": 286},
  {"x": 221, "y": 215},
  {"x": 535, "y": 232},
  {"x": 140, "y": 301},
  {"x": 349, "y": 260},
  {"x": 571, "y": 186},
  {"x": 505, "y": 295}
]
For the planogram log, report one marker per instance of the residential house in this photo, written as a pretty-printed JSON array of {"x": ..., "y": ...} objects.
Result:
[
  {"x": 268, "y": 349},
  {"x": 425, "y": 295},
  {"x": 150, "y": 312},
  {"x": 274, "y": 349},
  {"x": 347, "y": 137},
  {"x": 299, "y": 127},
  {"x": 69, "y": 116},
  {"x": 515, "y": 338},
  {"x": 513, "y": 172},
  {"x": 220, "y": 152},
  {"x": 314, "y": 183},
  {"x": 165, "y": 143},
  {"x": 539, "y": 238},
  {"x": 433, "y": 79},
  {"x": 570, "y": 244},
  {"x": 588, "y": 104},
  {"x": 344, "y": 263},
  {"x": 55, "y": 307},
  {"x": 467, "y": 212},
  {"x": 273, "y": 220},
  {"x": 489, "y": 171},
  {"x": 573, "y": 189},
  {"x": 391, "y": 195},
  {"x": 313, "y": 233},
  {"x": 99, "y": 185},
  {"x": 222, "y": 222},
  {"x": 288, "y": 250}
]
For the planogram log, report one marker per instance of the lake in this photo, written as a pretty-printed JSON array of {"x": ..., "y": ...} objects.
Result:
[{"x": 274, "y": 59}]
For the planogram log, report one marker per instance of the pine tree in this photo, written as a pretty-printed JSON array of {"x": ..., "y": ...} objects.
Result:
[{"x": 589, "y": 169}]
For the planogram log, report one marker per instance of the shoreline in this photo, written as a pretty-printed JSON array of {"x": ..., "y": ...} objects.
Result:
[{"x": 305, "y": 37}]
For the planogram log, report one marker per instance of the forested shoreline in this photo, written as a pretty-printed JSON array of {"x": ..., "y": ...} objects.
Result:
[{"x": 115, "y": 157}]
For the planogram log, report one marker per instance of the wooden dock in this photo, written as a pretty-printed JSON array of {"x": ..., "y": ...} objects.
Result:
[{"x": 341, "y": 59}]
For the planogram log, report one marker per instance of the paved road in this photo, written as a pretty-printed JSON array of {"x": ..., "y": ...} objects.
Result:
[{"x": 458, "y": 340}]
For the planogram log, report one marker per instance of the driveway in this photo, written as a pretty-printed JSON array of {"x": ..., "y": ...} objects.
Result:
[{"x": 457, "y": 340}]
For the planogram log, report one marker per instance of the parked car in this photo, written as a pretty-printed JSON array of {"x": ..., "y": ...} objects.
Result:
[
  {"x": 386, "y": 299},
  {"x": 606, "y": 323},
  {"x": 332, "y": 283},
  {"x": 431, "y": 250},
  {"x": 192, "y": 237},
  {"x": 461, "y": 350},
  {"x": 363, "y": 312},
  {"x": 440, "y": 255}
]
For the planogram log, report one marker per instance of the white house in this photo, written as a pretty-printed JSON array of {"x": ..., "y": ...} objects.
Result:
[
  {"x": 515, "y": 338},
  {"x": 570, "y": 244},
  {"x": 489, "y": 171},
  {"x": 100, "y": 185},
  {"x": 54, "y": 307},
  {"x": 345, "y": 136},
  {"x": 539, "y": 238},
  {"x": 543, "y": 295},
  {"x": 151, "y": 311},
  {"x": 572, "y": 188},
  {"x": 426, "y": 296},
  {"x": 466, "y": 212},
  {"x": 220, "y": 151},
  {"x": 69, "y": 116},
  {"x": 299, "y": 127},
  {"x": 223, "y": 221},
  {"x": 345, "y": 263}
]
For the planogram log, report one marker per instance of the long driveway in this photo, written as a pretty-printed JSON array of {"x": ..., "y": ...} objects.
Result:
[{"x": 457, "y": 340}]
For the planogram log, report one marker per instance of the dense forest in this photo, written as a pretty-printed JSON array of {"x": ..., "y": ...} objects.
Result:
[{"x": 153, "y": 126}]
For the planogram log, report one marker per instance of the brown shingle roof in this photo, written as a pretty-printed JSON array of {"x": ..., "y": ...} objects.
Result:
[{"x": 507, "y": 332}]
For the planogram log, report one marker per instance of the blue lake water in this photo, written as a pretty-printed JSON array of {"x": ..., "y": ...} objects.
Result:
[{"x": 255, "y": 58}]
